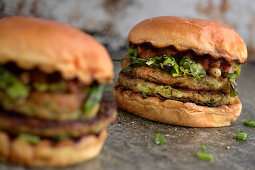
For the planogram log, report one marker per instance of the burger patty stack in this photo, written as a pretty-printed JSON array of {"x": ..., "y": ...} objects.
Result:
[
  {"x": 182, "y": 72},
  {"x": 51, "y": 85}
]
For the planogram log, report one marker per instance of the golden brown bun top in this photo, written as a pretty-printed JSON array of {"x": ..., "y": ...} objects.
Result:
[
  {"x": 53, "y": 46},
  {"x": 202, "y": 36}
]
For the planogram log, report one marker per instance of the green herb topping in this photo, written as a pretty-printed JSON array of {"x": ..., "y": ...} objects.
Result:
[
  {"x": 164, "y": 91},
  {"x": 94, "y": 97},
  {"x": 241, "y": 136},
  {"x": 12, "y": 85},
  {"x": 167, "y": 63},
  {"x": 205, "y": 156},
  {"x": 233, "y": 77},
  {"x": 250, "y": 123},
  {"x": 144, "y": 95},
  {"x": 203, "y": 147},
  {"x": 29, "y": 138},
  {"x": 61, "y": 137},
  {"x": 159, "y": 139}
]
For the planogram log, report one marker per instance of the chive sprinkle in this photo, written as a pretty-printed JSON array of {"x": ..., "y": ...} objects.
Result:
[
  {"x": 144, "y": 95},
  {"x": 29, "y": 138},
  {"x": 203, "y": 147},
  {"x": 241, "y": 136},
  {"x": 158, "y": 139},
  {"x": 250, "y": 123},
  {"x": 61, "y": 137},
  {"x": 205, "y": 156}
]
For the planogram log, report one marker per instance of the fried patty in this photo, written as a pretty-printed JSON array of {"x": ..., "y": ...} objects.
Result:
[
  {"x": 15, "y": 124},
  {"x": 208, "y": 82},
  {"x": 138, "y": 85},
  {"x": 43, "y": 95},
  {"x": 54, "y": 106}
]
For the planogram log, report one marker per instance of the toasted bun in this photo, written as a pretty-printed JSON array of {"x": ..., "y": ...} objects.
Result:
[
  {"x": 175, "y": 112},
  {"x": 53, "y": 46},
  {"x": 46, "y": 154},
  {"x": 201, "y": 36}
]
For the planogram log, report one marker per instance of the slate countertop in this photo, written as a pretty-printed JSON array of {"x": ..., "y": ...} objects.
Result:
[{"x": 130, "y": 146}]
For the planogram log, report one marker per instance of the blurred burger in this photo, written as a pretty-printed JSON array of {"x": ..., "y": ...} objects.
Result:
[
  {"x": 51, "y": 83},
  {"x": 182, "y": 71}
]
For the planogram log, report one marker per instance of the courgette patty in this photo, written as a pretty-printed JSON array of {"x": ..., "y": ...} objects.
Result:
[
  {"x": 206, "y": 98},
  {"x": 208, "y": 83}
]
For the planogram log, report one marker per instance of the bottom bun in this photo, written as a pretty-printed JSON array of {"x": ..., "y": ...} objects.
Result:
[
  {"x": 49, "y": 154},
  {"x": 175, "y": 112}
]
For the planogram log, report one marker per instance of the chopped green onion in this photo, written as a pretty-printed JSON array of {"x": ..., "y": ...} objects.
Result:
[
  {"x": 151, "y": 61},
  {"x": 203, "y": 147},
  {"x": 144, "y": 95},
  {"x": 238, "y": 71},
  {"x": 197, "y": 70},
  {"x": 40, "y": 87},
  {"x": 241, "y": 136},
  {"x": 159, "y": 139},
  {"x": 61, "y": 137},
  {"x": 250, "y": 123},
  {"x": 231, "y": 75},
  {"x": 29, "y": 138},
  {"x": 185, "y": 62},
  {"x": 233, "y": 90},
  {"x": 176, "y": 71},
  {"x": 12, "y": 85},
  {"x": 165, "y": 91},
  {"x": 167, "y": 63},
  {"x": 194, "y": 69},
  {"x": 132, "y": 53},
  {"x": 94, "y": 97},
  {"x": 205, "y": 156}
]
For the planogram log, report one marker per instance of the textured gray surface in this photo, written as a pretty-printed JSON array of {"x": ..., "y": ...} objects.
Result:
[{"x": 130, "y": 146}]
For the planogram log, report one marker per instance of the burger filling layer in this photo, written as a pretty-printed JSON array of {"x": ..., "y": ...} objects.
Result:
[
  {"x": 35, "y": 105},
  {"x": 169, "y": 92},
  {"x": 170, "y": 74},
  {"x": 47, "y": 96}
]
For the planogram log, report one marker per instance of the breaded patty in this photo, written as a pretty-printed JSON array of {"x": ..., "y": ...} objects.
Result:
[
  {"x": 15, "y": 124},
  {"x": 138, "y": 85},
  {"x": 208, "y": 83},
  {"x": 54, "y": 106}
]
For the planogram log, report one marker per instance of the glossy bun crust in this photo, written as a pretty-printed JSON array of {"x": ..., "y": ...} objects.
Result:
[
  {"x": 201, "y": 36},
  {"x": 46, "y": 154},
  {"x": 175, "y": 112},
  {"x": 53, "y": 46}
]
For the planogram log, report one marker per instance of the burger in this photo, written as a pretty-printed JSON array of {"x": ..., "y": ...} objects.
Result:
[
  {"x": 52, "y": 79},
  {"x": 182, "y": 71}
]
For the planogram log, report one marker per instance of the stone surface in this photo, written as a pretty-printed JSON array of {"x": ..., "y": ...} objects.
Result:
[{"x": 129, "y": 144}]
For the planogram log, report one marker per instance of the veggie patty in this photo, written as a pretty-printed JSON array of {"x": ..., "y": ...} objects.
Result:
[{"x": 206, "y": 98}]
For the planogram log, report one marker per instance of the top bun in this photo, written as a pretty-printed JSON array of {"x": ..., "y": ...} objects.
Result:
[
  {"x": 201, "y": 36},
  {"x": 53, "y": 46}
]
